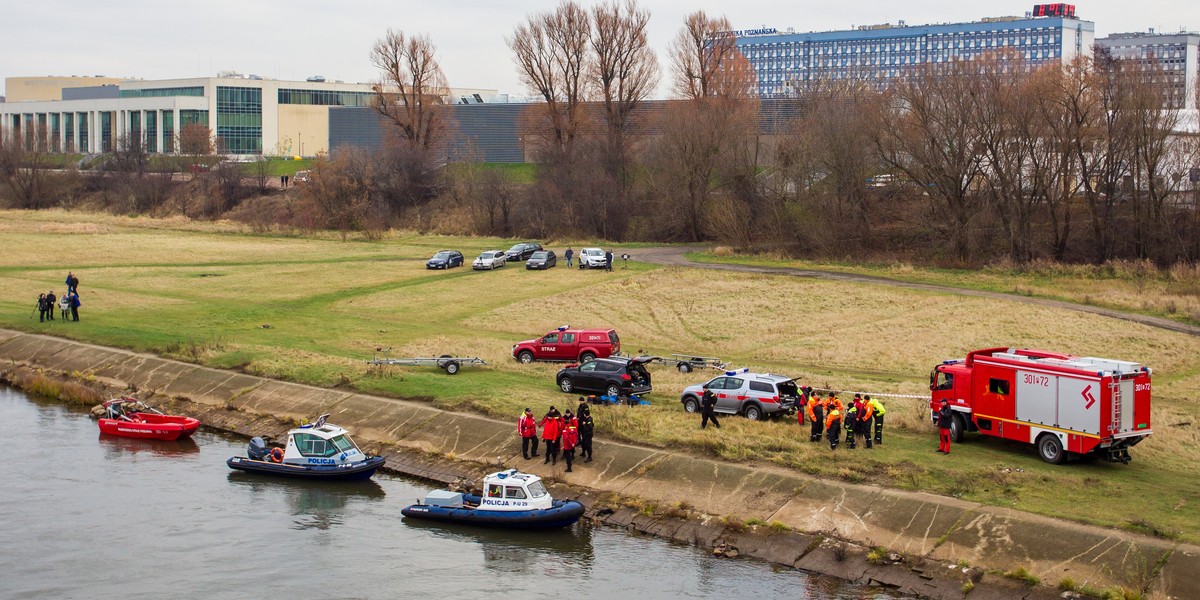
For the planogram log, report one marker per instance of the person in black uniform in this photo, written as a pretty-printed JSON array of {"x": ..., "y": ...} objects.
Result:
[
  {"x": 708, "y": 404},
  {"x": 41, "y": 307},
  {"x": 586, "y": 428},
  {"x": 51, "y": 304}
]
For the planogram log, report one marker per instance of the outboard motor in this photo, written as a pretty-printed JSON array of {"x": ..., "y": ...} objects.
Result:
[{"x": 257, "y": 449}]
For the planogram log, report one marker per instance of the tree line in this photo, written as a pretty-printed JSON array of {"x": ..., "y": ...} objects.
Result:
[{"x": 960, "y": 162}]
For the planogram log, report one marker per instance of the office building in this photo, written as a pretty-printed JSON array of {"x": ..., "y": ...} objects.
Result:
[
  {"x": 1174, "y": 56},
  {"x": 882, "y": 53},
  {"x": 247, "y": 114}
]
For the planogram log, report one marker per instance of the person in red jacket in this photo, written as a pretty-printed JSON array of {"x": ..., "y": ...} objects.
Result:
[
  {"x": 527, "y": 427},
  {"x": 570, "y": 437},
  {"x": 551, "y": 433},
  {"x": 944, "y": 417}
]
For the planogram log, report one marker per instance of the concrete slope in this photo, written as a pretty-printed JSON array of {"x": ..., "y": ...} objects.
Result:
[{"x": 904, "y": 522}]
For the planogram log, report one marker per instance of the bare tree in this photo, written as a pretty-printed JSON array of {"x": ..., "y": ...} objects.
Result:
[
  {"x": 195, "y": 143},
  {"x": 706, "y": 61},
  {"x": 25, "y": 166},
  {"x": 552, "y": 54},
  {"x": 412, "y": 87}
]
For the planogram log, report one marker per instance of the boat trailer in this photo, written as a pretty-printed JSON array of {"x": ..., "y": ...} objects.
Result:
[
  {"x": 451, "y": 364},
  {"x": 686, "y": 363}
]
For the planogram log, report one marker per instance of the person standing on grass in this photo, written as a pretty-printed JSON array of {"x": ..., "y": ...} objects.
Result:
[
  {"x": 833, "y": 427},
  {"x": 551, "y": 434},
  {"x": 816, "y": 416},
  {"x": 944, "y": 417},
  {"x": 878, "y": 408},
  {"x": 527, "y": 427},
  {"x": 851, "y": 419},
  {"x": 41, "y": 307},
  {"x": 587, "y": 427},
  {"x": 708, "y": 412},
  {"x": 569, "y": 254},
  {"x": 72, "y": 283},
  {"x": 570, "y": 439},
  {"x": 866, "y": 415},
  {"x": 608, "y": 260},
  {"x": 75, "y": 304},
  {"x": 51, "y": 303},
  {"x": 64, "y": 306}
]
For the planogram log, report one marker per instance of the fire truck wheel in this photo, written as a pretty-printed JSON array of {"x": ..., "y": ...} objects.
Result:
[
  {"x": 957, "y": 429},
  {"x": 1050, "y": 448},
  {"x": 586, "y": 357},
  {"x": 525, "y": 357}
]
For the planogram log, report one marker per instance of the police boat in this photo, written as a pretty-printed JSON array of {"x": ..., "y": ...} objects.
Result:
[
  {"x": 510, "y": 499},
  {"x": 316, "y": 451}
]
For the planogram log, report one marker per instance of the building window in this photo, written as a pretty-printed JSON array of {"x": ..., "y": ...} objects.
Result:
[
  {"x": 168, "y": 126},
  {"x": 162, "y": 92},
  {"x": 239, "y": 120}
]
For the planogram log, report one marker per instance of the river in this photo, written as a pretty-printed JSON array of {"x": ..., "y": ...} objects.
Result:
[{"x": 91, "y": 516}]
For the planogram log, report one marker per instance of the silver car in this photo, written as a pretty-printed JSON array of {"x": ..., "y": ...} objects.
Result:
[
  {"x": 492, "y": 259},
  {"x": 591, "y": 258},
  {"x": 756, "y": 395}
]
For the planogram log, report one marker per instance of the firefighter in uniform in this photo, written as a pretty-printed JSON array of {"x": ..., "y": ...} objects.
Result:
[
  {"x": 833, "y": 427},
  {"x": 527, "y": 427},
  {"x": 851, "y": 423},
  {"x": 570, "y": 438},
  {"x": 586, "y": 428},
  {"x": 551, "y": 434},
  {"x": 878, "y": 408},
  {"x": 816, "y": 416},
  {"x": 866, "y": 414},
  {"x": 944, "y": 417},
  {"x": 708, "y": 412}
]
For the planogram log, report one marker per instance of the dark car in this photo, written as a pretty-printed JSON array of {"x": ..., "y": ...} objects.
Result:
[
  {"x": 522, "y": 251},
  {"x": 613, "y": 376},
  {"x": 542, "y": 259},
  {"x": 446, "y": 259}
]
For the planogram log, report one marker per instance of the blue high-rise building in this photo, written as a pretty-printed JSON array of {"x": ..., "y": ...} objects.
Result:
[{"x": 881, "y": 53}]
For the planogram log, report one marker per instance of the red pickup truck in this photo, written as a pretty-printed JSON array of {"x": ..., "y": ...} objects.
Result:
[{"x": 566, "y": 344}]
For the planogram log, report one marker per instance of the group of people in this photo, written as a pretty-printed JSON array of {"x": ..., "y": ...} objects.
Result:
[
  {"x": 827, "y": 415},
  {"x": 68, "y": 304},
  {"x": 560, "y": 432}
]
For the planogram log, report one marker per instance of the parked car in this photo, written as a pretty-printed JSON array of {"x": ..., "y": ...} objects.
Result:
[
  {"x": 522, "y": 251},
  {"x": 566, "y": 344},
  {"x": 301, "y": 177},
  {"x": 446, "y": 259},
  {"x": 492, "y": 259},
  {"x": 615, "y": 376},
  {"x": 542, "y": 259},
  {"x": 591, "y": 258},
  {"x": 755, "y": 395}
]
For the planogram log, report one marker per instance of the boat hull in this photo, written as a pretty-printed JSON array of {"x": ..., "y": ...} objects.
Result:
[
  {"x": 150, "y": 426},
  {"x": 359, "y": 470},
  {"x": 561, "y": 514}
]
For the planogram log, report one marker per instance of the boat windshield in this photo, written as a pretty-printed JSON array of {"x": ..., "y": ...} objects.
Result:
[
  {"x": 537, "y": 490},
  {"x": 343, "y": 443}
]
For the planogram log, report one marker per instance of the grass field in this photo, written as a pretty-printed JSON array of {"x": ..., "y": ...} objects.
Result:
[{"x": 315, "y": 309}]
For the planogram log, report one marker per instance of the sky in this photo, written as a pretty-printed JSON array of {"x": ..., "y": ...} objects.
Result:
[{"x": 152, "y": 39}]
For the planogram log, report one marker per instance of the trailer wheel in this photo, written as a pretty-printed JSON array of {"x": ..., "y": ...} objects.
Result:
[
  {"x": 1050, "y": 448},
  {"x": 525, "y": 357},
  {"x": 684, "y": 367},
  {"x": 691, "y": 405},
  {"x": 958, "y": 428},
  {"x": 451, "y": 367},
  {"x": 754, "y": 413},
  {"x": 565, "y": 384}
]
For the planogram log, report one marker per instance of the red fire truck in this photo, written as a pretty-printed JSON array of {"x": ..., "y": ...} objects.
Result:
[{"x": 1060, "y": 403}]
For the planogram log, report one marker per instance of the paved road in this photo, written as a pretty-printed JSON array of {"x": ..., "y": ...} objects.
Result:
[{"x": 674, "y": 256}]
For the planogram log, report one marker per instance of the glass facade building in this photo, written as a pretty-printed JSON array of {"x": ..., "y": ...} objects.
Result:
[
  {"x": 239, "y": 119},
  {"x": 882, "y": 53}
]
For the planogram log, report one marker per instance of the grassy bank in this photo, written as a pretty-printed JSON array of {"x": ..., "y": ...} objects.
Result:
[
  {"x": 1129, "y": 286},
  {"x": 315, "y": 309}
]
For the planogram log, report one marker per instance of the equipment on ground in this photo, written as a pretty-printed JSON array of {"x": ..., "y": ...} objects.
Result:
[
  {"x": 451, "y": 364},
  {"x": 1062, "y": 404}
]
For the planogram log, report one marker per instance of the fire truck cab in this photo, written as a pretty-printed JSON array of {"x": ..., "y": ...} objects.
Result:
[{"x": 1062, "y": 404}]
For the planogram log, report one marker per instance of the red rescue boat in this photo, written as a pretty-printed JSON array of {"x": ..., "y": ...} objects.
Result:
[{"x": 127, "y": 417}]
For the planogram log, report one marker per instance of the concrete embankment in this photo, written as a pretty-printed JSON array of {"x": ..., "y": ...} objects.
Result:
[{"x": 922, "y": 533}]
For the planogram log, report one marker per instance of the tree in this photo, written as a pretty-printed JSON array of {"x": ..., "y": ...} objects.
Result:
[
  {"x": 707, "y": 61},
  {"x": 551, "y": 50},
  {"x": 195, "y": 143},
  {"x": 411, "y": 89},
  {"x": 25, "y": 167}
]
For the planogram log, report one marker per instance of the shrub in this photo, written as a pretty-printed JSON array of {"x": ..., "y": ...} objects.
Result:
[{"x": 1021, "y": 574}]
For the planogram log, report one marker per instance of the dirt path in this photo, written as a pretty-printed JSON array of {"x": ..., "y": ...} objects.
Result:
[{"x": 675, "y": 256}]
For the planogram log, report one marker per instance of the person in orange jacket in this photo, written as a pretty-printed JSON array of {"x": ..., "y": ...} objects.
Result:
[
  {"x": 833, "y": 427},
  {"x": 866, "y": 416},
  {"x": 551, "y": 433},
  {"x": 570, "y": 438},
  {"x": 527, "y": 427},
  {"x": 816, "y": 416}
]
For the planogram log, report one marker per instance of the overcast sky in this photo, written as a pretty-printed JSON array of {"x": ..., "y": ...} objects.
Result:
[{"x": 294, "y": 39}]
